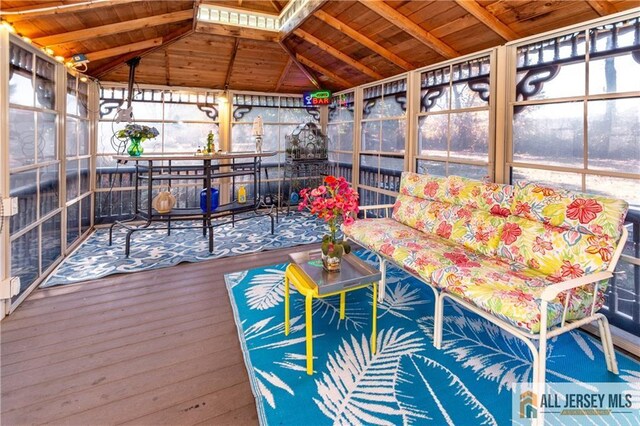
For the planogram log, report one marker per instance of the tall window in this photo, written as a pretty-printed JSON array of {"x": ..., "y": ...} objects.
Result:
[
  {"x": 183, "y": 118},
  {"x": 382, "y": 141},
  {"x": 280, "y": 115},
  {"x": 340, "y": 132},
  {"x": 34, "y": 165},
  {"x": 576, "y": 124},
  {"x": 453, "y": 123},
  {"x": 78, "y": 161}
]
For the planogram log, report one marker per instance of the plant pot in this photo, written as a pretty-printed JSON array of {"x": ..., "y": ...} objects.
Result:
[
  {"x": 330, "y": 263},
  {"x": 135, "y": 147}
]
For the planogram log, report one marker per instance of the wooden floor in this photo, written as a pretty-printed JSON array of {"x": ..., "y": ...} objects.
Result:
[{"x": 155, "y": 347}]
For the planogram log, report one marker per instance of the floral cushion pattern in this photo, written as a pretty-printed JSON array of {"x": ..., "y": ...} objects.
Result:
[
  {"x": 588, "y": 214},
  {"x": 499, "y": 246}
]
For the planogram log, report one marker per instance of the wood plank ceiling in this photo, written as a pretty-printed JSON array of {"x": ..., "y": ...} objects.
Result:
[{"x": 342, "y": 44}]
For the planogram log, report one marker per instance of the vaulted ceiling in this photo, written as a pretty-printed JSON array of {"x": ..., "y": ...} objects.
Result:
[{"x": 338, "y": 44}]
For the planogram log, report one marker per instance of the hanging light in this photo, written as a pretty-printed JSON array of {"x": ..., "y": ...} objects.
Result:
[{"x": 83, "y": 79}]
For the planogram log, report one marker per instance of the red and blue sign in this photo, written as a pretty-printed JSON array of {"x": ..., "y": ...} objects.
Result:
[{"x": 316, "y": 98}]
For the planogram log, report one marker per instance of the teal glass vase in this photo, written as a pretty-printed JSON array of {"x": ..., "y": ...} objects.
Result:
[{"x": 135, "y": 147}]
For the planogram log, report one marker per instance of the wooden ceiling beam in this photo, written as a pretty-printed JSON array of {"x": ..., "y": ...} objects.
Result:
[
  {"x": 121, "y": 50},
  {"x": 602, "y": 7},
  {"x": 300, "y": 16},
  {"x": 116, "y": 28},
  {"x": 308, "y": 62},
  {"x": 238, "y": 32},
  {"x": 166, "y": 41},
  {"x": 365, "y": 41},
  {"x": 488, "y": 19},
  {"x": 283, "y": 74},
  {"x": 299, "y": 65},
  {"x": 410, "y": 27},
  {"x": 234, "y": 52},
  {"x": 41, "y": 10},
  {"x": 276, "y": 6},
  {"x": 337, "y": 54}
]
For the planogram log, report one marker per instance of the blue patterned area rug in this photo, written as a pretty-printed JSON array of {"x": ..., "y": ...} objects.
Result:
[
  {"x": 407, "y": 381},
  {"x": 154, "y": 249}
]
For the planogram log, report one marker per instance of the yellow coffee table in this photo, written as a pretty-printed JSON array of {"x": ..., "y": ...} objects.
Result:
[{"x": 306, "y": 273}]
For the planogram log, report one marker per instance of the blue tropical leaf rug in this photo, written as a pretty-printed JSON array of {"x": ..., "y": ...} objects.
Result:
[
  {"x": 407, "y": 381},
  {"x": 155, "y": 249}
]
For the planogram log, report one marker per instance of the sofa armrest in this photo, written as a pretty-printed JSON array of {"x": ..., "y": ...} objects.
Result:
[
  {"x": 386, "y": 207},
  {"x": 551, "y": 292}
]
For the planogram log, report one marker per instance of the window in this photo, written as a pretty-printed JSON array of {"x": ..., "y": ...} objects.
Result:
[
  {"x": 383, "y": 135},
  {"x": 340, "y": 133},
  {"x": 183, "y": 118},
  {"x": 454, "y": 132},
  {"x": 34, "y": 165},
  {"x": 576, "y": 124}
]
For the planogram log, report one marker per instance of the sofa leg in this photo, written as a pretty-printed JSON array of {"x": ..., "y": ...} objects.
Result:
[
  {"x": 383, "y": 280},
  {"x": 438, "y": 316},
  {"x": 607, "y": 344}
]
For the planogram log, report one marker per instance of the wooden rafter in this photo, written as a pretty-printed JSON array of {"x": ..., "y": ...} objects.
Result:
[
  {"x": 276, "y": 6},
  {"x": 602, "y": 7},
  {"x": 234, "y": 52},
  {"x": 365, "y": 41},
  {"x": 299, "y": 65},
  {"x": 166, "y": 41},
  {"x": 488, "y": 19},
  {"x": 337, "y": 54},
  {"x": 300, "y": 16},
  {"x": 121, "y": 50},
  {"x": 167, "y": 68},
  {"x": 118, "y": 27},
  {"x": 284, "y": 73},
  {"x": 333, "y": 76},
  {"x": 48, "y": 9},
  {"x": 239, "y": 32},
  {"x": 410, "y": 27}
]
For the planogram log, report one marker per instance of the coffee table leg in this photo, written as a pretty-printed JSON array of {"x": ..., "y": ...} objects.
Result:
[
  {"x": 374, "y": 319},
  {"x": 286, "y": 304},
  {"x": 308, "y": 311},
  {"x": 342, "y": 304}
]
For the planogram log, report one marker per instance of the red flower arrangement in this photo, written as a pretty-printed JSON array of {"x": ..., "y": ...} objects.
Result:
[{"x": 335, "y": 202}]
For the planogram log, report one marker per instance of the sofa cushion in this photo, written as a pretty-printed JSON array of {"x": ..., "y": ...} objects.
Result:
[
  {"x": 560, "y": 253},
  {"x": 511, "y": 292},
  {"x": 588, "y": 214}
]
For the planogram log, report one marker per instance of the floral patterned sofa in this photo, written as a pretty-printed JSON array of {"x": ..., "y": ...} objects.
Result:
[{"x": 522, "y": 256}]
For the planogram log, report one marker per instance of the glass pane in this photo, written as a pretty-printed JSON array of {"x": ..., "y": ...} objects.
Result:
[
  {"x": 571, "y": 181},
  {"x": 24, "y": 259},
  {"x": 45, "y": 84},
  {"x": 72, "y": 95},
  {"x": 470, "y": 171},
  {"x": 83, "y": 137},
  {"x": 370, "y": 104},
  {"x": 299, "y": 115},
  {"x": 614, "y": 135},
  {"x": 370, "y": 139},
  {"x": 73, "y": 223},
  {"x": 345, "y": 131},
  {"x": 107, "y": 142},
  {"x": 188, "y": 112},
  {"x": 614, "y": 75},
  {"x": 551, "y": 81},
  {"x": 85, "y": 218},
  {"x": 73, "y": 186},
  {"x": 49, "y": 189},
  {"x": 23, "y": 186},
  {"x": 432, "y": 135},
  {"x": 148, "y": 111},
  {"x": 83, "y": 99},
  {"x": 334, "y": 138},
  {"x": 434, "y": 93},
  {"x": 246, "y": 114},
  {"x": 47, "y": 137},
  {"x": 21, "y": 138},
  {"x": 427, "y": 167},
  {"x": 72, "y": 137},
  {"x": 470, "y": 135},
  {"x": 85, "y": 175},
  {"x": 51, "y": 243},
  {"x": 241, "y": 138},
  {"x": 185, "y": 137},
  {"x": 393, "y": 135},
  {"x": 20, "y": 76},
  {"x": 464, "y": 97},
  {"x": 626, "y": 189},
  {"x": 549, "y": 134}
]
